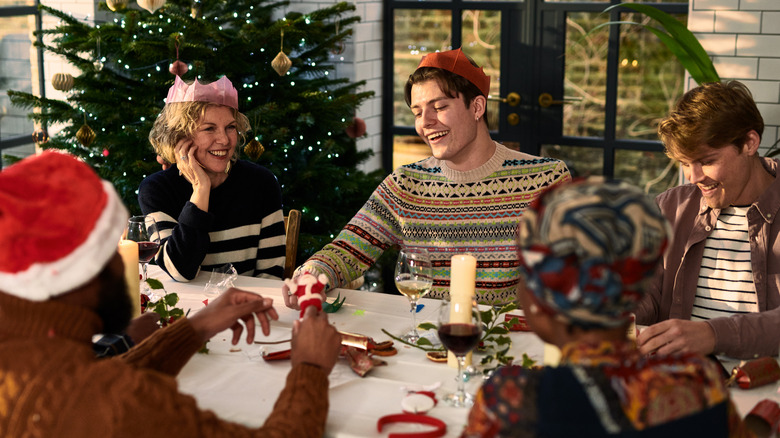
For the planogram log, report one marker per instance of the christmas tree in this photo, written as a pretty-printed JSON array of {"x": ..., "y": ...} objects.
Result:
[{"x": 298, "y": 110}]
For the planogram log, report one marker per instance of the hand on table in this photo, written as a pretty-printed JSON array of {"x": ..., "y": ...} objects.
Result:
[
  {"x": 677, "y": 336},
  {"x": 230, "y": 307},
  {"x": 315, "y": 341}
]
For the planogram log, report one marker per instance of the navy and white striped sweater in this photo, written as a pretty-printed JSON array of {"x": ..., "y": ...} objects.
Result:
[{"x": 244, "y": 225}]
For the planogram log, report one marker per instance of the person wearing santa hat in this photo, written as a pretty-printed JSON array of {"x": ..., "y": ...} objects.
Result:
[
  {"x": 466, "y": 198},
  {"x": 62, "y": 281},
  {"x": 211, "y": 208}
]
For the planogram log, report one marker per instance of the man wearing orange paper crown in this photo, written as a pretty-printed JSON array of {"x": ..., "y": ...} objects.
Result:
[
  {"x": 62, "y": 281},
  {"x": 210, "y": 207},
  {"x": 466, "y": 198}
]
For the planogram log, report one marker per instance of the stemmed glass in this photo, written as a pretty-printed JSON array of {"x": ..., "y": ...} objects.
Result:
[
  {"x": 143, "y": 230},
  {"x": 413, "y": 278},
  {"x": 460, "y": 329}
]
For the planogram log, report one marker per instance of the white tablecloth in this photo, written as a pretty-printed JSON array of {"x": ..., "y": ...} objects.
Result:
[{"x": 237, "y": 384}]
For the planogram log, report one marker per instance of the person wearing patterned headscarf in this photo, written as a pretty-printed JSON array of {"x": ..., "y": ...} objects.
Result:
[{"x": 587, "y": 251}]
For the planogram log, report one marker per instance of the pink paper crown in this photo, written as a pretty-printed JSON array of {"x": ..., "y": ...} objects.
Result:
[
  {"x": 455, "y": 61},
  {"x": 220, "y": 92}
]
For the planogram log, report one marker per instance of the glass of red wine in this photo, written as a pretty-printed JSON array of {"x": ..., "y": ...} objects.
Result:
[
  {"x": 460, "y": 330},
  {"x": 143, "y": 230}
]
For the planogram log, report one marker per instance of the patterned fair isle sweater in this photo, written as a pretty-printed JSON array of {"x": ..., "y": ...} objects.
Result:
[
  {"x": 429, "y": 205},
  {"x": 52, "y": 385},
  {"x": 244, "y": 225}
]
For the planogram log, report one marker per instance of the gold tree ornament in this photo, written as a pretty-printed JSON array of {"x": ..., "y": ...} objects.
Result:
[
  {"x": 281, "y": 64},
  {"x": 151, "y": 5},
  {"x": 85, "y": 135},
  {"x": 116, "y": 5},
  {"x": 254, "y": 149},
  {"x": 62, "y": 81},
  {"x": 40, "y": 136}
]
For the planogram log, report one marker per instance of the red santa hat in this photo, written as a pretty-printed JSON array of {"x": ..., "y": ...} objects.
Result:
[{"x": 59, "y": 225}]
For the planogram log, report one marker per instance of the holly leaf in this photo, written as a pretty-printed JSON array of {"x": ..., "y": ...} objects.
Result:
[
  {"x": 171, "y": 299},
  {"x": 334, "y": 306},
  {"x": 426, "y": 326},
  {"x": 154, "y": 283},
  {"x": 424, "y": 341}
]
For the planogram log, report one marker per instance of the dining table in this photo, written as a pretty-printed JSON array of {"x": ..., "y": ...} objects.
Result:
[{"x": 239, "y": 385}]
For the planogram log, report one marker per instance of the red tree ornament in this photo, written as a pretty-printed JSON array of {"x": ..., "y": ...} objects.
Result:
[
  {"x": 357, "y": 128},
  {"x": 178, "y": 68}
]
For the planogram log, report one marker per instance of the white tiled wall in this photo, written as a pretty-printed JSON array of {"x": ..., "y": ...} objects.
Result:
[
  {"x": 362, "y": 61},
  {"x": 744, "y": 38}
]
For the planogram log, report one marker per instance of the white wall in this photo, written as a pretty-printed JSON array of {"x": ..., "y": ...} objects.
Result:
[
  {"x": 361, "y": 61},
  {"x": 743, "y": 37}
]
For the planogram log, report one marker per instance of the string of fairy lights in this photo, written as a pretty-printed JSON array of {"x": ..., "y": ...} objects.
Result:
[{"x": 281, "y": 64}]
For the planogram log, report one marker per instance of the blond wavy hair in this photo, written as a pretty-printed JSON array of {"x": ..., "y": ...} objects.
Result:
[{"x": 180, "y": 120}]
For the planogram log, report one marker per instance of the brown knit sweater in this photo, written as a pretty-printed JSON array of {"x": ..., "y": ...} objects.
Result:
[{"x": 51, "y": 384}]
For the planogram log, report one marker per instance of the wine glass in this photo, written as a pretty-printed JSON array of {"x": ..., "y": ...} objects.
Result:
[
  {"x": 143, "y": 230},
  {"x": 413, "y": 279},
  {"x": 460, "y": 329}
]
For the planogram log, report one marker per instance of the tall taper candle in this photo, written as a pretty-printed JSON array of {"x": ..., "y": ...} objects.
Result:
[
  {"x": 128, "y": 250},
  {"x": 463, "y": 276}
]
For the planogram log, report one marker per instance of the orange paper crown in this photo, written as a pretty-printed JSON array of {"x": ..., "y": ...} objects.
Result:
[
  {"x": 455, "y": 61},
  {"x": 220, "y": 92}
]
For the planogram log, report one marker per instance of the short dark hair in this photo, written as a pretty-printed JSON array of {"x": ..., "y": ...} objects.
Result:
[{"x": 716, "y": 114}]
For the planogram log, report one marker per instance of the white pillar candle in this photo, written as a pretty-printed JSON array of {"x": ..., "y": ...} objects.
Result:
[
  {"x": 463, "y": 276},
  {"x": 128, "y": 250}
]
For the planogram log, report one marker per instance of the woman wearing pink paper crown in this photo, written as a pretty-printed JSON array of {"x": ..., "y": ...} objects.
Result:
[
  {"x": 211, "y": 208},
  {"x": 587, "y": 251}
]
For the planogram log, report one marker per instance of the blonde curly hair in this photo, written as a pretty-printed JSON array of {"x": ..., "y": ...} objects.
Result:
[{"x": 180, "y": 120}]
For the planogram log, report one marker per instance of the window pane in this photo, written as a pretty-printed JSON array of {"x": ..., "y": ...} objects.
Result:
[
  {"x": 627, "y": 1},
  {"x": 653, "y": 171},
  {"x": 417, "y": 32},
  {"x": 650, "y": 79},
  {"x": 482, "y": 42},
  {"x": 581, "y": 161},
  {"x": 585, "y": 75},
  {"x": 409, "y": 149},
  {"x": 4, "y": 3},
  {"x": 16, "y": 71}
]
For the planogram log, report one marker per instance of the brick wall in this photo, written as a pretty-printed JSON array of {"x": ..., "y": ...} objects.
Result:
[{"x": 743, "y": 37}]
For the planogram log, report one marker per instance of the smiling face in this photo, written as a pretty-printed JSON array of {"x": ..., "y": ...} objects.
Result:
[
  {"x": 215, "y": 139},
  {"x": 445, "y": 123},
  {"x": 723, "y": 175}
]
